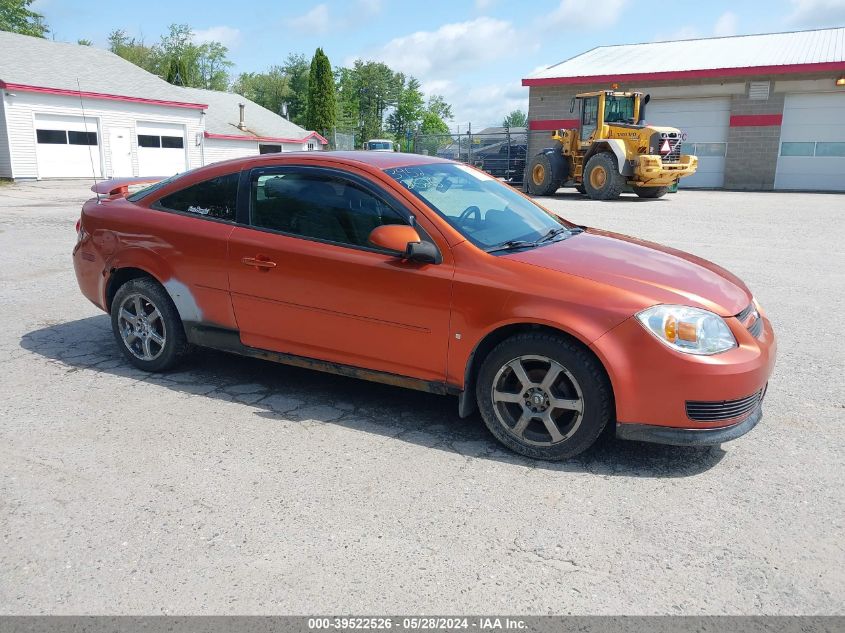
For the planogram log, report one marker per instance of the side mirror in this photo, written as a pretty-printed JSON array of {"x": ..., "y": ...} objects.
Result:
[{"x": 403, "y": 241}]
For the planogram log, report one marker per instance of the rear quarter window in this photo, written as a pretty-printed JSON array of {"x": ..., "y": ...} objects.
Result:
[{"x": 215, "y": 198}]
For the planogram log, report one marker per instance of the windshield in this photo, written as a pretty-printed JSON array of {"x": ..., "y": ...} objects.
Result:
[
  {"x": 618, "y": 109},
  {"x": 379, "y": 145},
  {"x": 482, "y": 209}
]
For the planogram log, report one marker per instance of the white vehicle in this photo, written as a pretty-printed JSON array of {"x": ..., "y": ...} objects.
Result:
[{"x": 379, "y": 145}]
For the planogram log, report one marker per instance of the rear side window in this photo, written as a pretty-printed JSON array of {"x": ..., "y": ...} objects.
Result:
[{"x": 215, "y": 198}]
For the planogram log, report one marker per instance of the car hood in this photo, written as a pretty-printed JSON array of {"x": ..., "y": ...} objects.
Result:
[{"x": 658, "y": 274}]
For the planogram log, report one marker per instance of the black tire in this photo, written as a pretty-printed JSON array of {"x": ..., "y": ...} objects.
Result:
[
  {"x": 581, "y": 374},
  {"x": 611, "y": 183},
  {"x": 651, "y": 192},
  {"x": 580, "y": 189},
  {"x": 136, "y": 336},
  {"x": 543, "y": 178}
]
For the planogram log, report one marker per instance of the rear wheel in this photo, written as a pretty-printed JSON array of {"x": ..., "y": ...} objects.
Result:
[
  {"x": 542, "y": 179},
  {"x": 543, "y": 396},
  {"x": 147, "y": 326},
  {"x": 651, "y": 192},
  {"x": 602, "y": 179}
]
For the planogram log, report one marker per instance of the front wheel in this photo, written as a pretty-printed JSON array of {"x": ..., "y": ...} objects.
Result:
[
  {"x": 147, "y": 326},
  {"x": 602, "y": 179},
  {"x": 651, "y": 192},
  {"x": 544, "y": 396}
]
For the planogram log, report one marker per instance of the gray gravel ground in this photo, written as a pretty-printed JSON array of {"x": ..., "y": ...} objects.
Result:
[{"x": 239, "y": 486}]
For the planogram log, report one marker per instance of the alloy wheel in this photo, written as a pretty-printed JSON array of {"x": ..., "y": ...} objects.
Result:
[
  {"x": 537, "y": 400},
  {"x": 142, "y": 327}
]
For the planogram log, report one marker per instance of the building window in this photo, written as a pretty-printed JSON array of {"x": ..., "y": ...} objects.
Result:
[
  {"x": 82, "y": 138},
  {"x": 830, "y": 149},
  {"x": 172, "y": 142},
  {"x": 709, "y": 149},
  {"x": 215, "y": 198},
  {"x": 51, "y": 137},
  {"x": 797, "y": 149},
  {"x": 311, "y": 146},
  {"x": 166, "y": 142},
  {"x": 269, "y": 149},
  {"x": 145, "y": 140}
]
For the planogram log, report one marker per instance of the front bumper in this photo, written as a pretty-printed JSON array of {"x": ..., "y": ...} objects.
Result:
[
  {"x": 689, "y": 437},
  {"x": 651, "y": 171}
]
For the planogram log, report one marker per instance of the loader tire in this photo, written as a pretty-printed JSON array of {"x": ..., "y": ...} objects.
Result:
[
  {"x": 602, "y": 179},
  {"x": 651, "y": 192},
  {"x": 544, "y": 177}
]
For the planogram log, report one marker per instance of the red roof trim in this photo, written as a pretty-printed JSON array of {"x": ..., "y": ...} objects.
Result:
[
  {"x": 755, "y": 120},
  {"x": 99, "y": 95},
  {"x": 265, "y": 139},
  {"x": 553, "y": 124},
  {"x": 782, "y": 69}
]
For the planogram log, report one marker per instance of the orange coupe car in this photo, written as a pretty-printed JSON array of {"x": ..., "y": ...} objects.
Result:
[{"x": 429, "y": 274}]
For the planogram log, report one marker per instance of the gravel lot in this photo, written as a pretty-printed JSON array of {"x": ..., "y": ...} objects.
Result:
[{"x": 239, "y": 486}]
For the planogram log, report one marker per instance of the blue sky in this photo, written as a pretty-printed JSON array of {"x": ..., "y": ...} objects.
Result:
[{"x": 474, "y": 52}]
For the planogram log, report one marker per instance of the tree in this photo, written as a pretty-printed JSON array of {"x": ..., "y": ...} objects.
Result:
[
  {"x": 84, "y": 42},
  {"x": 176, "y": 58},
  {"x": 297, "y": 69},
  {"x": 517, "y": 118},
  {"x": 133, "y": 50},
  {"x": 212, "y": 65},
  {"x": 365, "y": 93},
  {"x": 17, "y": 17},
  {"x": 409, "y": 110},
  {"x": 439, "y": 107},
  {"x": 322, "y": 109},
  {"x": 270, "y": 89}
]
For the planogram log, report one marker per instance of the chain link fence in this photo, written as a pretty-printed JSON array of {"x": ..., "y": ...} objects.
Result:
[
  {"x": 500, "y": 153},
  {"x": 344, "y": 141}
]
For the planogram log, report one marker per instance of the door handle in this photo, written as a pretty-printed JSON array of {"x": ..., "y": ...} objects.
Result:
[{"x": 259, "y": 261}]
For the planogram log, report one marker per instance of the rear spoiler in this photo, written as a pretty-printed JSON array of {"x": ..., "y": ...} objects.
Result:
[{"x": 120, "y": 186}]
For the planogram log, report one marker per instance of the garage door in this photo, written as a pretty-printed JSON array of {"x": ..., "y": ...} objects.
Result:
[
  {"x": 161, "y": 149},
  {"x": 66, "y": 146},
  {"x": 812, "y": 143},
  {"x": 705, "y": 122}
]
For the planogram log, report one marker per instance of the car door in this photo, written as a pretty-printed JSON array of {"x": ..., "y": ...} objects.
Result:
[{"x": 305, "y": 280}]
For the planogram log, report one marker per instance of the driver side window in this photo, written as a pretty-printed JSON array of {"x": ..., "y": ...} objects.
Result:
[{"x": 318, "y": 206}]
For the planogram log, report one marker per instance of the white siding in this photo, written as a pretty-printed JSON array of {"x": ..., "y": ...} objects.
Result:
[
  {"x": 21, "y": 108},
  {"x": 218, "y": 149},
  {"x": 5, "y": 157}
]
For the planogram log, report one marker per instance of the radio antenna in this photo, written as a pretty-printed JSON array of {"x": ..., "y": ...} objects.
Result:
[{"x": 90, "y": 155}]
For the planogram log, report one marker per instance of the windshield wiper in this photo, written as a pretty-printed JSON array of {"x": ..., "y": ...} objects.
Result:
[
  {"x": 510, "y": 245},
  {"x": 553, "y": 233}
]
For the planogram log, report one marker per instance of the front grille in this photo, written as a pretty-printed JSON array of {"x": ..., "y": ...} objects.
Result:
[
  {"x": 703, "y": 411},
  {"x": 659, "y": 142},
  {"x": 751, "y": 319}
]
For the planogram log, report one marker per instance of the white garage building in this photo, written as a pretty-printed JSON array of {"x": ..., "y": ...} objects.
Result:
[
  {"x": 760, "y": 111},
  {"x": 70, "y": 111}
]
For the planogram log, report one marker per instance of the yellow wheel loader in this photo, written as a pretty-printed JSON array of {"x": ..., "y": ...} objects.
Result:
[{"x": 612, "y": 150}]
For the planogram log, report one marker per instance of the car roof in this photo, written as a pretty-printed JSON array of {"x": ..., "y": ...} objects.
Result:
[{"x": 378, "y": 160}]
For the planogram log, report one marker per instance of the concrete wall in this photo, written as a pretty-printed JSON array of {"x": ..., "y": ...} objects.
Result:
[{"x": 752, "y": 151}]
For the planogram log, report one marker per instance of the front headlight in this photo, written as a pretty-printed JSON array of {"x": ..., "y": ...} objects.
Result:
[{"x": 688, "y": 330}]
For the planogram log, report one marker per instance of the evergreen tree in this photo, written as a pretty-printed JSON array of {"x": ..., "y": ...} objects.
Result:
[{"x": 322, "y": 110}]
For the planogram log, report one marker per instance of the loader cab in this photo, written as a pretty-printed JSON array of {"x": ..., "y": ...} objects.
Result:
[{"x": 605, "y": 107}]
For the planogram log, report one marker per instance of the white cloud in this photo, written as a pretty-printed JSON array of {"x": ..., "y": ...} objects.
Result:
[
  {"x": 226, "y": 35},
  {"x": 574, "y": 13},
  {"x": 483, "y": 5},
  {"x": 451, "y": 49},
  {"x": 817, "y": 13},
  {"x": 726, "y": 24},
  {"x": 315, "y": 21},
  {"x": 483, "y": 106}
]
